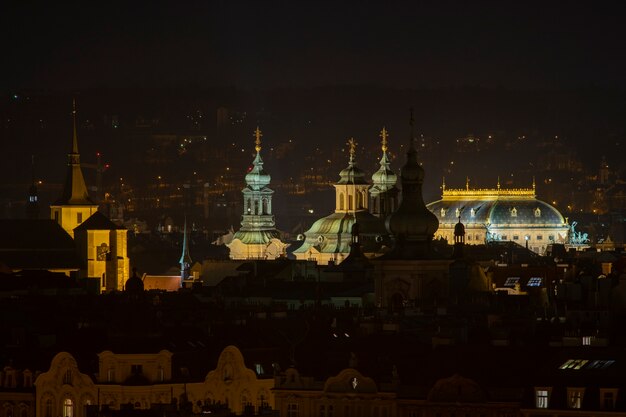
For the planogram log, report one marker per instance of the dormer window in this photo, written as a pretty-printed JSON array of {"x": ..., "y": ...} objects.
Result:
[
  {"x": 457, "y": 212},
  {"x": 542, "y": 397},
  {"x": 472, "y": 212},
  {"x": 513, "y": 212},
  {"x": 443, "y": 212},
  {"x": 537, "y": 212}
]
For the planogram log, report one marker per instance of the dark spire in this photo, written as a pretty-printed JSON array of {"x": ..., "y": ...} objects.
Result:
[
  {"x": 412, "y": 225},
  {"x": 185, "y": 258},
  {"x": 74, "y": 190}
]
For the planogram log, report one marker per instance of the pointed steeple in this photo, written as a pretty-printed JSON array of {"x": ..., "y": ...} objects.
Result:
[
  {"x": 74, "y": 190},
  {"x": 352, "y": 174},
  {"x": 384, "y": 192},
  {"x": 185, "y": 258},
  {"x": 412, "y": 225},
  {"x": 257, "y": 178}
]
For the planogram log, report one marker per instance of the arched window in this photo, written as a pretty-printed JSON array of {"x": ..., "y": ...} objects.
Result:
[
  {"x": 537, "y": 212},
  {"x": 350, "y": 202},
  {"x": 359, "y": 202},
  {"x": 443, "y": 212},
  {"x": 67, "y": 378},
  {"x": 513, "y": 212},
  {"x": 68, "y": 408},
  {"x": 265, "y": 208},
  {"x": 341, "y": 201},
  {"x": 47, "y": 408}
]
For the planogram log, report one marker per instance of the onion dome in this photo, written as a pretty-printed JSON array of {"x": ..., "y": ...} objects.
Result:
[
  {"x": 352, "y": 174},
  {"x": 257, "y": 178},
  {"x": 412, "y": 221}
]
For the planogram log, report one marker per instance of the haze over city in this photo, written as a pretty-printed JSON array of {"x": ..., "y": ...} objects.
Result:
[{"x": 312, "y": 208}]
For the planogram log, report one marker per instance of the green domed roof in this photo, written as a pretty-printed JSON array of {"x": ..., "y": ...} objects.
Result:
[
  {"x": 257, "y": 178},
  {"x": 352, "y": 174},
  {"x": 511, "y": 211},
  {"x": 384, "y": 177}
]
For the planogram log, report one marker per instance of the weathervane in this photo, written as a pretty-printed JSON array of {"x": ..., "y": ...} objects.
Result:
[
  {"x": 384, "y": 135},
  {"x": 257, "y": 142},
  {"x": 352, "y": 144}
]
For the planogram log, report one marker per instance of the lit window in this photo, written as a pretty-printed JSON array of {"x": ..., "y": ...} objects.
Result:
[
  {"x": 511, "y": 281},
  {"x": 68, "y": 408},
  {"x": 534, "y": 282},
  {"x": 513, "y": 212},
  {"x": 537, "y": 212},
  {"x": 259, "y": 369},
  {"x": 576, "y": 364},
  {"x": 457, "y": 212},
  {"x": 542, "y": 397},
  {"x": 587, "y": 340},
  {"x": 472, "y": 212},
  {"x": 575, "y": 397},
  {"x": 443, "y": 212}
]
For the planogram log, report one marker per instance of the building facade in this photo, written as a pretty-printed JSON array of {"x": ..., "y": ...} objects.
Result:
[{"x": 144, "y": 381}]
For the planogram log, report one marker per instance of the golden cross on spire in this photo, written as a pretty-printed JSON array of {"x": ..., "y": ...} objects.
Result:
[
  {"x": 257, "y": 142},
  {"x": 352, "y": 144},
  {"x": 384, "y": 135}
]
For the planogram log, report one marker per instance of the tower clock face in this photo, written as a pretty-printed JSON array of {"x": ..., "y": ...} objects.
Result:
[{"x": 102, "y": 252}]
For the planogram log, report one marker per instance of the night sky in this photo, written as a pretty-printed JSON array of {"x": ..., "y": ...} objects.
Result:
[{"x": 265, "y": 44}]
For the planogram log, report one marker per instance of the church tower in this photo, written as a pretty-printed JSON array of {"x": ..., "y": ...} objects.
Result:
[
  {"x": 74, "y": 206},
  {"x": 412, "y": 225},
  {"x": 384, "y": 193},
  {"x": 328, "y": 240},
  {"x": 351, "y": 189},
  {"x": 257, "y": 238}
]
